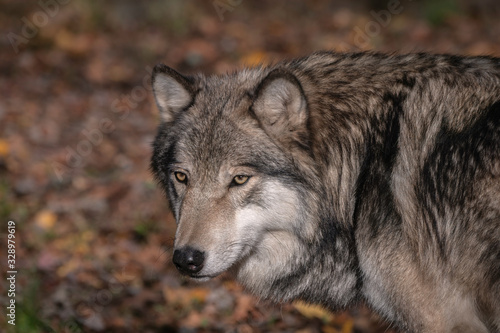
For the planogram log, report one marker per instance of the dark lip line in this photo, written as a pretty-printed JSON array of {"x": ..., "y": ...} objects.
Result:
[{"x": 202, "y": 276}]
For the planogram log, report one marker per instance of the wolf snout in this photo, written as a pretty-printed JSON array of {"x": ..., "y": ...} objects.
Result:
[{"x": 188, "y": 260}]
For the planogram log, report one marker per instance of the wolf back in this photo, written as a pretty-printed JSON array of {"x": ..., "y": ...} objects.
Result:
[{"x": 337, "y": 178}]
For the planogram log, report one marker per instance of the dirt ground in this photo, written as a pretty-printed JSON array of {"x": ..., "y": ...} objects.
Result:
[{"x": 93, "y": 233}]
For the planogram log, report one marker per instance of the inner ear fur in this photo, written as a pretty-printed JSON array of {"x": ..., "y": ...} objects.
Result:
[
  {"x": 280, "y": 104},
  {"x": 173, "y": 91}
]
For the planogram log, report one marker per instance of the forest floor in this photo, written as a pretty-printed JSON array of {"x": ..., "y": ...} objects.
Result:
[{"x": 93, "y": 231}]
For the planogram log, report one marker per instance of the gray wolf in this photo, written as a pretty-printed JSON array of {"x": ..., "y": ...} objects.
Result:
[{"x": 340, "y": 178}]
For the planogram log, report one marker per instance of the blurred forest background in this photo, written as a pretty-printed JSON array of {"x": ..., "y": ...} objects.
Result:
[{"x": 77, "y": 118}]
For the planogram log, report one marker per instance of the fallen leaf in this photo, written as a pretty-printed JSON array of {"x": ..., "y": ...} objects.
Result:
[
  {"x": 244, "y": 305},
  {"x": 348, "y": 326},
  {"x": 4, "y": 148},
  {"x": 45, "y": 219},
  {"x": 185, "y": 296},
  {"x": 73, "y": 43},
  {"x": 329, "y": 329},
  {"x": 255, "y": 58},
  {"x": 193, "y": 320},
  {"x": 69, "y": 267},
  {"x": 305, "y": 330},
  {"x": 313, "y": 311},
  {"x": 198, "y": 294}
]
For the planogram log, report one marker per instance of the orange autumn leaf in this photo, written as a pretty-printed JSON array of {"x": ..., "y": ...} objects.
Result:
[
  {"x": 313, "y": 311},
  {"x": 45, "y": 219},
  {"x": 348, "y": 326},
  {"x": 255, "y": 58},
  {"x": 4, "y": 148}
]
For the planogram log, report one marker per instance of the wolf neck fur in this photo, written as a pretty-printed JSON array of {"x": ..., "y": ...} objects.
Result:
[{"x": 334, "y": 252}]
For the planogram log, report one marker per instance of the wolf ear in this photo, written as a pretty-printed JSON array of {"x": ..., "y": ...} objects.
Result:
[
  {"x": 280, "y": 104},
  {"x": 173, "y": 91}
]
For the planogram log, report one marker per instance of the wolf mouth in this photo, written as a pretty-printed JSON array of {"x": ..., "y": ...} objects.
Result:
[
  {"x": 230, "y": 266},
  {"x": 202, "y": 277}
]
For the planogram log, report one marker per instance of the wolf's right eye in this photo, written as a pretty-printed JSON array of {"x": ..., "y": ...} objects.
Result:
[
  {"x": 240, "y": 179},
  {"x": 180, "y": 176}
]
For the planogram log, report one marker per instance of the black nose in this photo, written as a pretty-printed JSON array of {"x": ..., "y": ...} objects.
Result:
[{"x": 188, "y": 260}]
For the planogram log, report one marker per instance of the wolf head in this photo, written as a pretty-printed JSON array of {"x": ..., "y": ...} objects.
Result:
[
  {"x": 233, "y": 156},
  {"x": 220, "y": 155}
]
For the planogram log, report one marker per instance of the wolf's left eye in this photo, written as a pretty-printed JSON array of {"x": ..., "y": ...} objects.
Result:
[
  {"x": 240, "y": 180},
  {"x": 180, "y": 176}
]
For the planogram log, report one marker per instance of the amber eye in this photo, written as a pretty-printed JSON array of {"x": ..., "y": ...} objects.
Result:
[
  {"x": 180, "y": 176},
  {"x": 240, "y": 179}
]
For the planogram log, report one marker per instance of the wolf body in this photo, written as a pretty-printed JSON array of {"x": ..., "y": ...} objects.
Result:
[{"x": 338, "y": 178}]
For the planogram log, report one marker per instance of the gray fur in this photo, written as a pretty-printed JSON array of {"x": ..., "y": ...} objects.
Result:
[{"x": 372, "y": 177}]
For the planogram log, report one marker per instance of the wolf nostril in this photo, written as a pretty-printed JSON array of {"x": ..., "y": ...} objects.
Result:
[
  {"x": 196, "y": 258},
  {"x": 188, "y": 260}
]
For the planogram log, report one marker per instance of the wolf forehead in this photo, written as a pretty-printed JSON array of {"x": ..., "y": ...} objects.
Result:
[
  {"x": 210, "y": 119},
  {"x": 204, "y": 108},
  {"x": 208, "y": 95}
]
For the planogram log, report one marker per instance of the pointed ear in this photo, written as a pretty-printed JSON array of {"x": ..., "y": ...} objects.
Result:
[
  {"x": 173, "y": 91},
  {"x": 280, "y": 105}
]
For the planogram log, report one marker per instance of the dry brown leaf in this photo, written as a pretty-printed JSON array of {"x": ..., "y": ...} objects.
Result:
[
  {"x": 193, "y": 320},
  {"x": 69, "y": 267},
  {"x": 45, "y": 219},
  {"x": 184, "y": 296},
  {"x": 255, "y": 58},
  {"x": 198, "y": 294},
  {"x": 244, "y": 305},
  {"x": 4, "y": 148},
  {"x": 313, "y": 311},
  {"x": 329, "y": 329},
  {"x": 73, "y": 43},
  {"x": 348, "y": 326}
]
